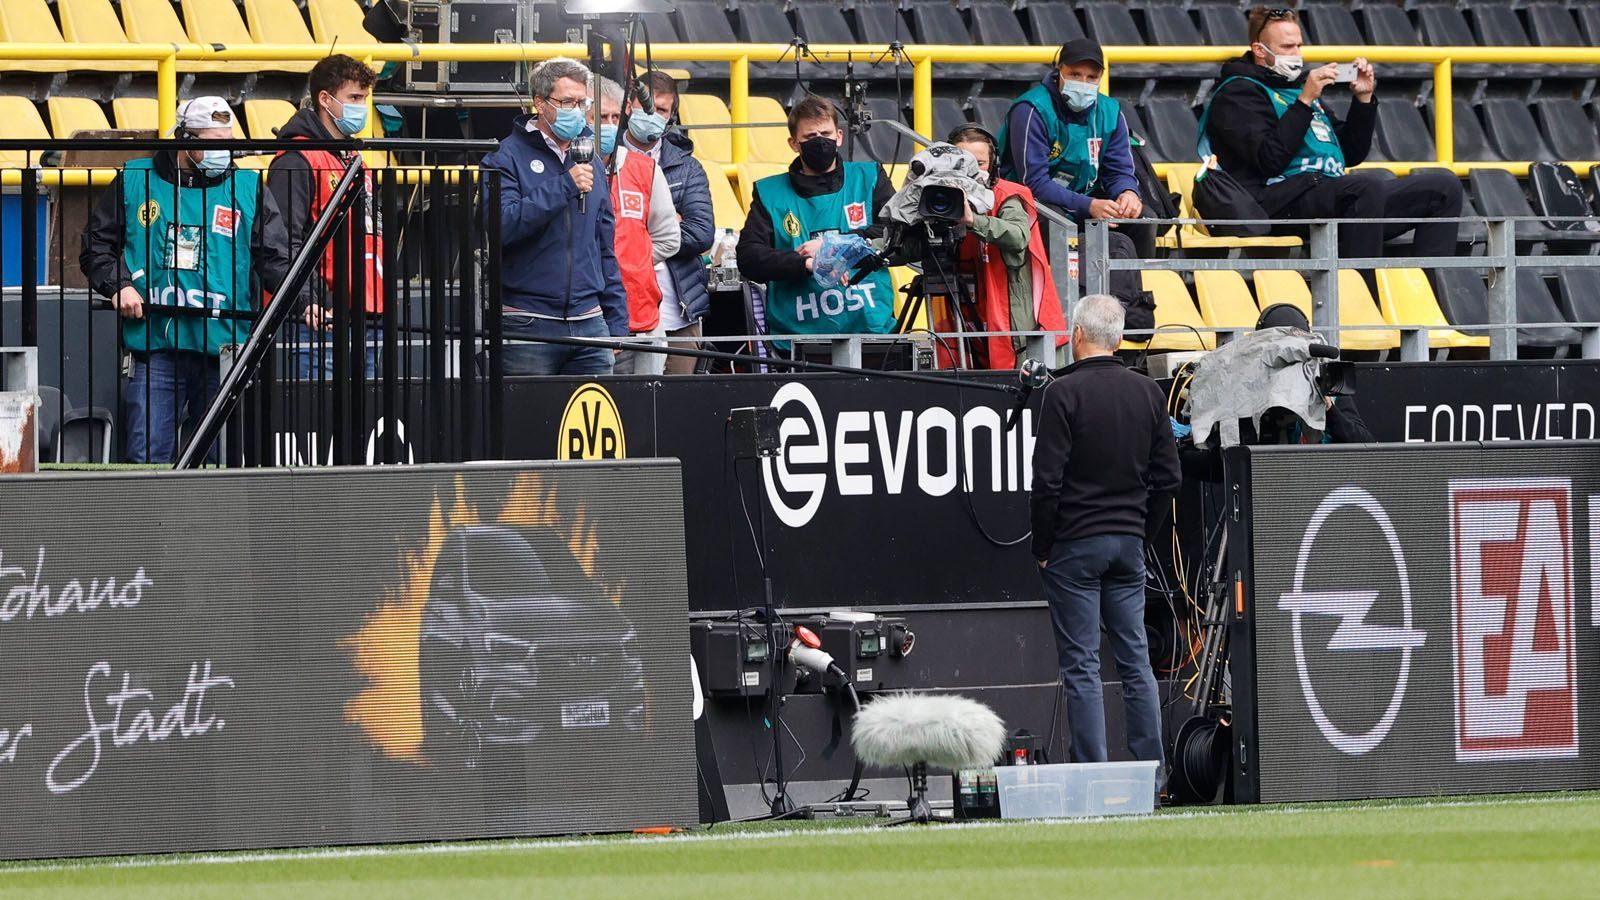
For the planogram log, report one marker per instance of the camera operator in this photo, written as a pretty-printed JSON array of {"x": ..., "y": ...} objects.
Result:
[
  {"x": 1069, "y": 144},
  {"x": 1273, "y": 134},
  {"x": 1004, "y": 253},
  {"x": 1344, "y": 425},
  {"x": 789, "y": 215}
]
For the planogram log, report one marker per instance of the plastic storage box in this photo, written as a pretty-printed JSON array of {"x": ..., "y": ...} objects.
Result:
[{"x": 1071, "y": 790}]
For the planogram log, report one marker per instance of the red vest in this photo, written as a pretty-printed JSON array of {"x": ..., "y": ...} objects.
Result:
[
  {"x": 994, "y": 292},
  {"x": 326, "y": 170},
  {"x": 630, "y": 201}
]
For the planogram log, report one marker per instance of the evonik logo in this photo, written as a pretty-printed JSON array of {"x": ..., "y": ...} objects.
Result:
[
  {"x": 872, "y": 452},
  {"x": 1511, "y": 546},
  {"x": 1353, "y": 633}
]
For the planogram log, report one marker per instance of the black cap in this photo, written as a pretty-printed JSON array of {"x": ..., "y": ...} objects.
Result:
[
  {"x": 1283, "y": 315},
  {"x": 1081, "y": 50}
]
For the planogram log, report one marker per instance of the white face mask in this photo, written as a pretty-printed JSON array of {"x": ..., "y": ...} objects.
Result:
[{"x": 1287, "y": 66}]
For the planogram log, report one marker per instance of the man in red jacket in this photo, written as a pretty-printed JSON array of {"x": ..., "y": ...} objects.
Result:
[{"x": 646, "y": 228}]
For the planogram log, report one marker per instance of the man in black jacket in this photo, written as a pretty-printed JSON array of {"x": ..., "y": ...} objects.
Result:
[
  {"x": 1104, "y": 466},
  {"x": 1272, "y": 131}
]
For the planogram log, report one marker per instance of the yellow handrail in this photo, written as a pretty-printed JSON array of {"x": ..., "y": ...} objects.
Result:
[{"x": 922, "y": 57}]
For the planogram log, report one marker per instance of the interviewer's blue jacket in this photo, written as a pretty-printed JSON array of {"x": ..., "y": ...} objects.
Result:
[{"x": 541, "y": 229}]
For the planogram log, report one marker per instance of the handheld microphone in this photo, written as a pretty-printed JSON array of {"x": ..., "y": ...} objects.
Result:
[
  {"x": 582, "y": 151},
  {"x": 1032, "y": 374}
]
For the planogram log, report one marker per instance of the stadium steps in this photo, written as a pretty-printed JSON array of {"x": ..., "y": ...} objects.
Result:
[{"x": 1405, "y": 297}]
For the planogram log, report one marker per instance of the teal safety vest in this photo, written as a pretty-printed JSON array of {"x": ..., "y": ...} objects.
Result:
[
  {"x": 188, "y": 247},
  {"x": 1074, "y": 146},
  {"x": 1319, "y": 152},
  {"x": 804, "y": 306}
]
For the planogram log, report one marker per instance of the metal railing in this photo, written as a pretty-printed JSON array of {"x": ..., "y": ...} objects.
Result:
[
  {"x": 1323, "y": 263},
  {"x": 923, "y": 59}
]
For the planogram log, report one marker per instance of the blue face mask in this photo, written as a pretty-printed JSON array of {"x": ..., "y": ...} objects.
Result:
[
  {"x": 647, "y": 128},
  {"x": 1079, "y": 95},
  {"x": 353, "y": 118},
  {"x": 213, "y": 162},
  {"x": 608, "y": 139},
  {"x": 567, "y": 124}
]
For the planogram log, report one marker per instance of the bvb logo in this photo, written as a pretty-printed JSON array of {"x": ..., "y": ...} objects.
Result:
[
  {"x": 591, "y": 426},
  {"x": 791, "y": 225},
  {"x": 1055, "y": 151},
  {"x": 149, "y": 212}
]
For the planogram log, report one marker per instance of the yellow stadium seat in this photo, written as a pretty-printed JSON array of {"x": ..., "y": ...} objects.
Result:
[
  {"x": 19, "y": 121},
  {"x": 750, "y": 173},
  {"x": 263, "y": 117},
  {"x": 1180, "y": 180},
  {"x": 276, "y": 22},
  {"x": 135, "y": 113},
  {"x": 1174, "y": 311},
  {"x": 1406, "y": 298},
  {"x": 156, "y": 22},
  {"x": 94, "y": 22},
  {"x": 769, "y": 144},
  {"x": 897, "y": 174},
  {"x": 1356, "y": 307},
  {"x": 726, "y": 210},
  {"x": 219, "y": 22},
  {"x": 338, "y": 21},
  {"x": 1225, "y": 300},
  {"x": 70, "y": 115},
  {"x": 31, "y": 22},
  {"x": 1274, "y": 286},
  {"x": 714, "y": 144}
]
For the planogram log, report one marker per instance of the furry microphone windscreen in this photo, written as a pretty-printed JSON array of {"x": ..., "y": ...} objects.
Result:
[{"x": 944, "y": 731}]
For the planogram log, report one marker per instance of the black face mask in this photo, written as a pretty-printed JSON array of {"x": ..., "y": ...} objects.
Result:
[{"x": 819, "y": 153}]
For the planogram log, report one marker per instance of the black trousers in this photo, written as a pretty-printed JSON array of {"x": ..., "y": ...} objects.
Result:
[{"x": 1362, "y": 196}]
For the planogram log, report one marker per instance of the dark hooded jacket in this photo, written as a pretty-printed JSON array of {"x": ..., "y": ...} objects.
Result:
[
  {"x": 1253, "y": 143},
  {"x": 289, "y": 181}
]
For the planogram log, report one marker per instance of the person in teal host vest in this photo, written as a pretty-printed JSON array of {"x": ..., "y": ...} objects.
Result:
[
  {"x": 1272, "y": 130},
  {"x": 792, "y": 211},
  {"x": 1069, "y": 144},
  {"x": 184, "y": 229}
]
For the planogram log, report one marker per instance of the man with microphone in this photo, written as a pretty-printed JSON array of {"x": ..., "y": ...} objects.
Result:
[{"x": 558, "y": 266}]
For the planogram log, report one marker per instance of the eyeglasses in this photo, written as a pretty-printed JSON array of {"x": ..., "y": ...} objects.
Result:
[{"x": 582, "y": 103}]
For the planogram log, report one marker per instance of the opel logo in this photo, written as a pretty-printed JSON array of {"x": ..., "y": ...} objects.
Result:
[{"x": 1354, "y": 632}]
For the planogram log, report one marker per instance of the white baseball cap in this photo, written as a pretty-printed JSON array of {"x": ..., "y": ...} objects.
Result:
[{"x": 204, "y": 112}]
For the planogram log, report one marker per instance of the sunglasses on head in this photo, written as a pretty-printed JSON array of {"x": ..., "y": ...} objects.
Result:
[{"x": 1273, "y": 14}]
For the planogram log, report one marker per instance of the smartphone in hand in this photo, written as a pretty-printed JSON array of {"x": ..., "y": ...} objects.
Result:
[{"x": 1347, "y": 73}]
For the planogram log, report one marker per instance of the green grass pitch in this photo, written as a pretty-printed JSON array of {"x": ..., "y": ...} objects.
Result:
[{"x": 1530, "y": 846}]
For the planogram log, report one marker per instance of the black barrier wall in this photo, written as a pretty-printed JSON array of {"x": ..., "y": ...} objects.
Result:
[
  {"x": 899, "y": 470},
  {"x": 274, "y": 658},
  {"x": 1417, "y": 620}
]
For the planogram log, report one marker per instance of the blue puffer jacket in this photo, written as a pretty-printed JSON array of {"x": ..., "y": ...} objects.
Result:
[
  {"x": 691, "y": 195},
  {"x": 541, "y": 229}
]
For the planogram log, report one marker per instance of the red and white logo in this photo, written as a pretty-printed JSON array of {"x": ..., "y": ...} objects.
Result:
[
  {"x": 855, "y": 215},
  {"x": 1094, "y": 152},
  {"x": 632, "y": 206},
  {"x": 1511, "y": 572},
  {"x": 223, "y": 220}
]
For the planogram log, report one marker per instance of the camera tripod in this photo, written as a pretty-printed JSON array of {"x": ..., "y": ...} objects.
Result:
[{"x": 950, "y": 306}]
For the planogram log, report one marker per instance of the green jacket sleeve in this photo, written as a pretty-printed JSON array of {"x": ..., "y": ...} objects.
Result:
[{"x": 1007, "y": 230}]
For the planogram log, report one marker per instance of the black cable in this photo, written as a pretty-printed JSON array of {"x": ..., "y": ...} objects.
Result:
[
  {"x": 1144, "y": 352},
  {"x": 961, "y": 441}
]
